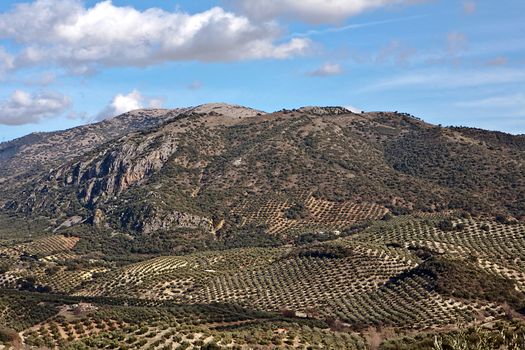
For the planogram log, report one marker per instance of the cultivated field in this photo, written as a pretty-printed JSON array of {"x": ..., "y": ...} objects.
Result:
[{"x": 403, "y": 274}]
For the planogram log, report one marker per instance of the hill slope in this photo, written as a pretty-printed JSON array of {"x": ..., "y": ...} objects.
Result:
[{"x": 220, "y": 167}]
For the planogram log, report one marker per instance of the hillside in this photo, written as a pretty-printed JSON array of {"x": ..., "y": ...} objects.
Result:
[
  {"x": 200, "y": 168},
  {"x": 220, "y": 226},
  {"x": 404, "y": 283},
  {"x": 42, "y": 151}
]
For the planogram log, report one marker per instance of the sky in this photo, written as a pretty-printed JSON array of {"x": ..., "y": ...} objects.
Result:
[{"x": 65, "y": 63}]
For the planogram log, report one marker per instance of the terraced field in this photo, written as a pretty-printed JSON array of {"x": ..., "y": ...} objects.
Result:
[
  {"x": 41, "y": 260},
  {"x": 180, "y": 329},
  {"x": 221, "y": 226},
  {"x": 171, "y": 278},
  {"x": 321, "y": 214},
  {"x": 322, "y": 295},
  {"x": 303, "y": 283},
  {"x": 43, "y": 247},
  {"x": 496, "y": 247},
  {"x": 407, "y": 303},
  {"x": 362, "y": 280}
]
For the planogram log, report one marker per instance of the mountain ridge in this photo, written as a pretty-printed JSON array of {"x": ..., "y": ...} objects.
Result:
[
  {"x": 194, "y": 168},
  {"x": 92, "y": 135}
]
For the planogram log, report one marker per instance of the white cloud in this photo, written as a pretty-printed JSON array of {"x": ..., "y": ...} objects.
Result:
[
  {"x": 313, "y": 11},
  {"x": 504, "y": 101},
  {"x": 25, "y": 108},
  {"x": 65, "y": 32},
  {"x": 449, "y": 79},
  {"x": 328, "y": 69},
  {"x": 125, "y": 103},
  {"x": 354, "y": 109},
  {"x": 156, "y": 103}
]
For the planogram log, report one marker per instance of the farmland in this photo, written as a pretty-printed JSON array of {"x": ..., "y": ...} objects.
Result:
[{"x": 338, "y": 292}]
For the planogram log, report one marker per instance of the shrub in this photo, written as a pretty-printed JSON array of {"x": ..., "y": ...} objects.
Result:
[
  {"x": 445, "y": 225},
  {"x": 460, "y": 227},
  {"x": 7, "y": 336},
  {"x": 297, "y": 212},
  {"x": 463, "y": 279},
  {"x": 211, "y": 346}
]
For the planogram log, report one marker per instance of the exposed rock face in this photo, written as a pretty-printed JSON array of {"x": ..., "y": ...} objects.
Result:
[
  {"x": 103, "y": 174},
  {"x": 115, "y": 170},
  {"x": 176, "y": 219},
  {"x": 99, "y": 218},
  {"x": 72, "y": 221},
  {"x": 43, "y": 151},
  {"x": 97, "y": 177}
]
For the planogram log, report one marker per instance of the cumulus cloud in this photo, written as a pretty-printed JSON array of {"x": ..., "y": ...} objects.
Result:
[
  {"x": 313, "y": 11},
  {"x": 328, "y": 69},
  {"x": 444, "y": 79},
  {"x": 67, "y": 33},
  {"x": 25, "y": 108},
  {"x": 125, "y": 103}
]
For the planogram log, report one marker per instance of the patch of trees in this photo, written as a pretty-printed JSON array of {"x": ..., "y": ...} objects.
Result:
[
  {"x": 252, "y": 235},
  {"x": 29, "y": 284},
  {"x": 476, "y": 177},
  {"x": 8, "y": 336},
  {"x": 447, "y": 225},
  {"x": 502, "y": 335},
  {"x": 325, "y": 251},
  {"x": 463, "y": 279},
  {"x": 297, "y": 212},
  {"x": 312, "y": 237}
]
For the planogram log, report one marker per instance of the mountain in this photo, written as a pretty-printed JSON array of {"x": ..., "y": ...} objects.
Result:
[
  {"x": 221, "y": 226},
  {"x": 41, "y": 151},
  {"x": 230, "y": 166}
]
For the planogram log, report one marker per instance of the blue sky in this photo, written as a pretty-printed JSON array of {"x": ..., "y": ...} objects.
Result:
[{"x": 70, "y": 62}]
